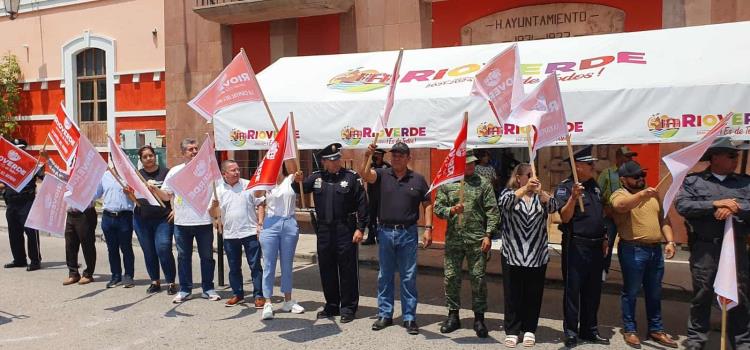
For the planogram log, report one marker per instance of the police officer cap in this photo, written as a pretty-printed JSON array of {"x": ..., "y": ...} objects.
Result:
[
  {"x": 20, "y": 143},
  {"x": 400, "y": 147},
  {"x": 722, "y": 145},
  {"x": 331, "y": 152},
  {"x": 583, "y": 155},
  {"x": 470, "y": 157},
  {"x": 630, "y": 168}
]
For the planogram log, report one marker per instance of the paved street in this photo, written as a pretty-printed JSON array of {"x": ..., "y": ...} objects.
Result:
[{"x": 37, "y": 312}]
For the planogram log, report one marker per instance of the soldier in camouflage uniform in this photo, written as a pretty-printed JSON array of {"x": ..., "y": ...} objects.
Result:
[{"x": 470, "y": 239}]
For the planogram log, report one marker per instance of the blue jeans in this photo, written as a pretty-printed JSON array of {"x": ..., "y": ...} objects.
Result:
[
  {"x": 233, "y": 248},
  {"x": 204, "y": 237},
  {"x": 118, "y": 232},
  {"x": 641, "y": 266},
  {"x": 397, "y": 251},
  {"x": 155, "y": 238},
  {"x": 278, "y": 240}
]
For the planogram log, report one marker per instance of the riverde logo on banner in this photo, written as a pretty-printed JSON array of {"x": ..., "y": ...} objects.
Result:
[
  {"x": 14, "y": 156},
  {"x": 239, "y": 137},
  {"x": 200, "y": 169},
  {"x": 353, "y": 136},
  {"x": 489, "y": 133},
  {"x": 358, "y": 80},
  {"x": 664, "y": 126}
]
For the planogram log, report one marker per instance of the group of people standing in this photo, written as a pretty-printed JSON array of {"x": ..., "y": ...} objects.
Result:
[{"x": 388, "y": 199}]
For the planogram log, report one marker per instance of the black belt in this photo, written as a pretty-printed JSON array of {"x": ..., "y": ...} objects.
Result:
[
  {"x": 642, "y": 244},
  {"x": 115, "y": 214},
  {"x": 397, "y": 226},
  {"x": 587, "y": 239}
]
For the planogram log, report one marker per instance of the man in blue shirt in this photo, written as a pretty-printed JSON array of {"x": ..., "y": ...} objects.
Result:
[{"x": 117, "y": 224}]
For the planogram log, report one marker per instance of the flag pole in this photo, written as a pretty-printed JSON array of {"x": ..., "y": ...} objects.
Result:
[
  {"x": 161, "y": 203},
  {"x": 531, "y": 151},
  {"x": 296, "y": 160},
  {"x": 461, "y": 186},
  {"x": 123, "y": 185},
  {"x": 723, "y": 324},
  {"x": 663, "y": 179},
  {"x": 263, "y": 97},
  {"x": 573, "y": 168}
]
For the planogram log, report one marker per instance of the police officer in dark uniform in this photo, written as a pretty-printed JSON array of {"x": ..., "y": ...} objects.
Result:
[
  {"x": 341, "y": 208},
  {"x": 373, "y": 197},
  {"x": 18, "y": 205},
  {"x": 584, "y": 248},
  {"x": 707, "y": 199}
]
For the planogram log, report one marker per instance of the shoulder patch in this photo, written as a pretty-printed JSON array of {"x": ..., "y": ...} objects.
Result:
[{"x": 561, "y": 191}]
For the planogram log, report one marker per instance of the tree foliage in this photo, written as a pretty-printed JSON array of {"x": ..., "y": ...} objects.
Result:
[{"x": 10, "y": 94}]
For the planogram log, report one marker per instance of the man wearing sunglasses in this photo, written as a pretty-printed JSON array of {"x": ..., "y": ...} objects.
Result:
[
  {"x": 707, "y": 199},
  {"x": 640, "y": 220}
]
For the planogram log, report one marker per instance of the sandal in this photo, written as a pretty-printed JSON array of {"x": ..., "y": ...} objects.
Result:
[
  {"x": 528, "y": 339},
  {"x": 511, "y": 341}
]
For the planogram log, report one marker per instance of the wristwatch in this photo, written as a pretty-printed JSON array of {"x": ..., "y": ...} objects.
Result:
[{"x": 428, "y": 227}]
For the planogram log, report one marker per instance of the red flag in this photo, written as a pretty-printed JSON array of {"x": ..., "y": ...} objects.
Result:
[
  {"x": 126, "y": 171},
  {"x": 193, "y": 182},
  {"x": 64, "y": 134},
  {"x": 454, "y": 164},
  {"x": 17, "y": 167},
  {"x": 48, "y": 212},
  {"x": 382, "y": 121},
  {"x": 235, "y": 84},
  {"x": 86, "y": 175},
  {"x": 281, "y": 149},
  {"x": 681, "y": 161},
  {"x": 500, "y": 83},
  {"x": 725, "y": 284},
  {"x": 543, "y": 109}
]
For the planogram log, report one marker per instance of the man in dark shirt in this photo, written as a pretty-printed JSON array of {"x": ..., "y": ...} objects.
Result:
[
  {"x": 373, "y": 198},
  {"x": 584, "y": 248},
  {"x": 18, "y": 205},
  {"x": 707, "y": 199},
  {"x": 341, "y": 207},
  {"x": 401, "y": 193}
]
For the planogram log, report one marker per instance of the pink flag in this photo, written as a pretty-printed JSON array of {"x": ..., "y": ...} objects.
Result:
[
  {"x": 126, "y": 171},
  {"x": 268, "y": 169},
  {"x": 382, "y": 121},
  {"x": 500, "y": 83},
  {"x": 17, "y": 167},
  {"x": 681, "y": 161},
  {"x": 725, "y": 284},
  {"x": 543, "y": 109},
  {"x": 235, "y": 84},
  {"x": 48, "y": 212},
  {"x": 54, "y": 170},
  {"x": 454, "y": 165},
  {"x": 193, "y": 182},
  {"x": 64, "y": 134},
  {"x": 86, "y": 175}
]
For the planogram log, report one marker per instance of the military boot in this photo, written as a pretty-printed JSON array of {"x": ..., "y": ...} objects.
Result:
[
  {"x": 479, "y": 326},
  {"x": 451, "y": 323}
]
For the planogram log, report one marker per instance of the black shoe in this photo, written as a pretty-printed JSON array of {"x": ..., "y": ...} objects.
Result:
[
  {"x": 595, "y": 339},
  {"x": 13, "y": 264},
  {"x": 479, "y": 326},
  {"x": 452, "y": 323},
  {"x": 411, "y": 327},
  {"x": 172, "y": 289},
  {"x": 381, "y": 323},
  {"x": 113, "y": 282},
  {"x": 327, "y": 314},
  {"x": 153, "y": 288},
  {"x": 571, "y": 341},
  {"x": 33, "y": 267},
  {"x": 346, "y": 318}
]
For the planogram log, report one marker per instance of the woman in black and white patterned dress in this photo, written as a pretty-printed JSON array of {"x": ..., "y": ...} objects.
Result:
[{"x": 524, "y": 208}]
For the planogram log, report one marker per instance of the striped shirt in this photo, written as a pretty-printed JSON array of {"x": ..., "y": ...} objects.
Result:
[{"x": 524, "y": 229}]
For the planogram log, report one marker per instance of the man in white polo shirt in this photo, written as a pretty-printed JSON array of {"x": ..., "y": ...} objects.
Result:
[{"x": 240, "y": 214}]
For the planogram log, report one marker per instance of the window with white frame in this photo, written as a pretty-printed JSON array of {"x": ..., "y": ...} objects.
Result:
[{"x": 91, "y": 81}]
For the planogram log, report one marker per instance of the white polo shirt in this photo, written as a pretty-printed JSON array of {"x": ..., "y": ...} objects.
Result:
[
  {"x": 183, "y": 215},
  {"x": 238, "y": 209}
]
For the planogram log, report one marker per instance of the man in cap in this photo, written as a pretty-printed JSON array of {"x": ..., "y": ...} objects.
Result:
[
  {"x": 341, "y": 208},
  {"x": 373, "y": 198},
  {"x": 583, "y": 250},
  {"x": 609, "y": 182},
  {"x": 18, "y": 205},
  {"x": 402, "y": 191},
  {"x": 640, "y": 219},
  {"x": 706, "y": 200},
  {"x": 469, "y": 239}
]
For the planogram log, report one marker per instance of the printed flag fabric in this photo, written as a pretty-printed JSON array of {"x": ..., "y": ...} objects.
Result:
[
  {"x": 454, "y": 164},
  {"x": 500, "y": 83},
  {"x": 55, "y": 170},
  {"x": 281, "y": 149},
  {"x": 128, "y": 173},
  {"x": 543, "y": 109},
  {"x": 86, "y": 175},
  {"x": 49, "y": 211},
  {"x": 17, "y": 167},
  {"x": 725, "y": 284},
  {"x": 382, "y": 121},
  {"x": 194, "y": 181},
  {"x": 64, "y": 134}
]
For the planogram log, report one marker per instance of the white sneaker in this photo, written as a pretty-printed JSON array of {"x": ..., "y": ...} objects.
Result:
[
  {"x": 293, "y": 307},
  {"x": 267, "y": 312},
  {"x": 180, "y": 297},
  {"x": 210, "y": 295}
]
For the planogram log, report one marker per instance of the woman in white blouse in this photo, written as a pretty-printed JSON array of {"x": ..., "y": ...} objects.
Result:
[{"x": 278, "y": 239}]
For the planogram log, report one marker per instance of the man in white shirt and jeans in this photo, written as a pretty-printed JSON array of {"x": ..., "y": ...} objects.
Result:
[
  {"x": 186, "y": 227},
  {"x": 238, "y": 212}
]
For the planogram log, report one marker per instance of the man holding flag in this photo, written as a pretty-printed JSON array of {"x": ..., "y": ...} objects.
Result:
[{"x": 707, "y": 199}]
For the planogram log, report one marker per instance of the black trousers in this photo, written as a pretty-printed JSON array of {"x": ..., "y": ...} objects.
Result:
[
  {"x": 704, "y": 263},
  {"x": 582, "y": 263},
  {"x": 339, "y": 267},
  {"x": 523, "y": 288},
  {"x": 16, "y": 214},
  {"x": 372, "y": 213},
  {"x": 79, "y": 232}
]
